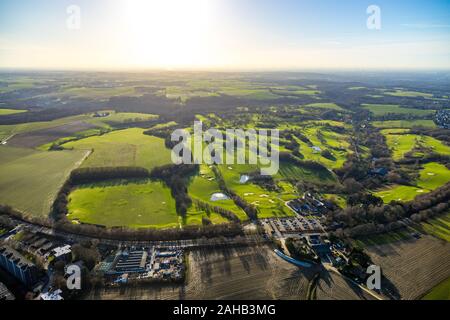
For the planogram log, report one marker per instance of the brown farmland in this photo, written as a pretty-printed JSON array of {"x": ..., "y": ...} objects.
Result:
[
  {"x": 413, "y": 266},
  {"x": 37, "y": 138}
]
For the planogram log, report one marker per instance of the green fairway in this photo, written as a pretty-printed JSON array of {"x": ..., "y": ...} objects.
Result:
[
  {"x": 30, "y": 180},
  {"x": 384, "y": 109},
  {"x": 268, "y": 203},
  {"x": 324, "y": 139},
  {"x": 432, "y": 176},
  {"x": 399, "y": 193},
  {"x": 440, "y": 292},
  {"x": 4, "y": 112},
  {"x": 289, "y": 170},
  {"x": 202, "y": 187},
  {"x": 134, "y": 204},
  {"x": 129, "y": 147},
  {"x": 401, "y": 143}
]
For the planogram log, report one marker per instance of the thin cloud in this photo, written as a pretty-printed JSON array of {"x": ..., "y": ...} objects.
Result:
[{"x": 425, "y": 25}]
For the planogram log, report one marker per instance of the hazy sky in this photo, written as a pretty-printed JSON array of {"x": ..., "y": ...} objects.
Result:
[{"x": 224, "y": 34}]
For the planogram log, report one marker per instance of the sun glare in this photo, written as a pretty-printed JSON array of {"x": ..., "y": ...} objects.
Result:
[{"x": 170, "y": 33}]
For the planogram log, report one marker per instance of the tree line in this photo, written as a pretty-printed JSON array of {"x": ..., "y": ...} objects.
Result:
[{"x": 227, "y": 214}]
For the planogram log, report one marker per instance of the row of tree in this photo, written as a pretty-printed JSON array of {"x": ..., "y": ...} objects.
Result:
[
  {"x": 126, "y": 234},
  {"x": 177, "y": 178},
  {"x": 227, "y": 214}
]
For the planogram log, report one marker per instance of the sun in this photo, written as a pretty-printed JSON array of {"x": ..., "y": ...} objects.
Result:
[{"x": 169, "y": 33}]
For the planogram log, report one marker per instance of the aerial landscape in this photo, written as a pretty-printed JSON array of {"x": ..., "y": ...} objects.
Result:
[{"x": 93, "y": 205}]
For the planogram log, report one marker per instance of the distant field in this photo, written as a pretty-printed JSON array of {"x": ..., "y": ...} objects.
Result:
[
  {"x": 134, "y": 204},
  {"x": 432, "y": 176},
  {"x": 129, "y": 147},
  {"x": 331, "y": 106},
  {"x": 8, "y": 130},
  {"x": 40, "y": 137},
  {"x": 4, "y": 112},
  {"x": 408, "y": 94},
  {"x": 120, "y": 117},
  {"x": 30, "y": 180},
  {"x": 384, "y": 109},
  {"x": 98, "y": 93},
  {"x": 295, "y": 92},
  {"x": 404, "y": 124}
]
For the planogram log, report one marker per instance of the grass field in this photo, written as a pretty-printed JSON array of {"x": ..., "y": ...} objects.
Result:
[
  {"x": 440, "y": 292},
  {"x": 134, "y": 204},
  {"x": 407, "y": 124},
  {"x": 384, "y": 109},
  {"x": 4, "y": 112},
  {"x": 30, "y": 180},
  {"x": 129, "y": 147}
]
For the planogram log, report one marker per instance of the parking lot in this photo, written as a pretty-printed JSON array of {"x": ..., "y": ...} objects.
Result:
[{"x": 280, "y": 226}]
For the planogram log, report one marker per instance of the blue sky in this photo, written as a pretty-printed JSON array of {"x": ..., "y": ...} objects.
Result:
[{"x": 225, "y": 34}]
